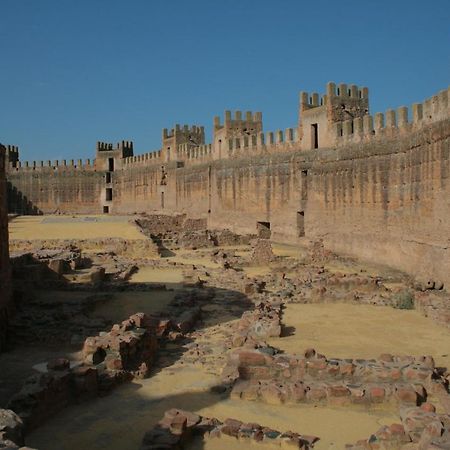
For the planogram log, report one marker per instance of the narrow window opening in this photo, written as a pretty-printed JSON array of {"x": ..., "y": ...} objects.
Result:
[
  {"x": 162, "y": 200},
  {"x": 111, "y": 164},
  {"x": 315, "y": 135},
  {"x": 108, "y": 177},
  {"x": 301, "y": 223},
  {"x": 304, "y": 185},
  {"x": 263, "y": 230},
  {"x": 108, "y": 194}
]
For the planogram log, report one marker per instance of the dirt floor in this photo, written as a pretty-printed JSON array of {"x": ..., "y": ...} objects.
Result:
[
  {"x": 347, "y": 331},
  {"x": 72, "y": 227},
  {"x": 181, "y": 380}
]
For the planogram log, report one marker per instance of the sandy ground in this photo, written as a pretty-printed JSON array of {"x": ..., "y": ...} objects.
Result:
[
  {"x": 149, "y": 274},
  {"x": 120, "y": 420},
  {"x": 77, "y": 227},
  {"x": 362, "y": 331},
  {"x": 124, "y": 304}
]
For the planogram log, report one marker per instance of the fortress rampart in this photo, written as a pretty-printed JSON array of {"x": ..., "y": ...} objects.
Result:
[
  {"x": 5, "y": 280},
  {"x": 371, "y": 186}
]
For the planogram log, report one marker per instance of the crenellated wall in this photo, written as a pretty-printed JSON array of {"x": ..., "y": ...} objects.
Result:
[
  {"x": 378, "y": 189},
  {"x": 5, "y": 280},
  {"x": 54, "y": 187}
]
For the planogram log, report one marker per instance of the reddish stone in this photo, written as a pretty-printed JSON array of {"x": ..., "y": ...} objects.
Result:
[
  {"x": 338, "y": 391},
  {"x": 428, "y": 407},
  {"x": 316, "y": 393},
  {"x": 310, "y": 353},
  {"x": 396, "y": 429},
  {"x": 406, "y": 394},
  {"x": 377, "y": 393},
  {"x": 178, "y": 424},
  {"x": 249, "y": 358}
]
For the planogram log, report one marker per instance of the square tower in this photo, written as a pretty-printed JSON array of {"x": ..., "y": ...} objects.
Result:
[
  {"x": 191, "y": 136},
  {"x": 239, "y": 126},
  {"x": 319, "y": 114}
]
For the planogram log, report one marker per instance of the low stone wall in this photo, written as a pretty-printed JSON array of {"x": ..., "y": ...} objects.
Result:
[
  {"x": 134, "y": 248},
  {"x": 164, "y": 223},
  {"x": 420, "y": 425},
  {"x": 261, "y": 323},
  {"x": 44, "y": 395},
  {"x": 128, "y": 349},
  {"x": 178, "y": 428},
  {"x": 256, "y": 364}
]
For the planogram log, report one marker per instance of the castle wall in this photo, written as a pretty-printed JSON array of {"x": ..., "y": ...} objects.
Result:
[
  {"x": 56, "y": 188},
  {"x": 387, "y": 201},
  {"x": 378, "y": 192},
  {"x": 5, "y": 280}
]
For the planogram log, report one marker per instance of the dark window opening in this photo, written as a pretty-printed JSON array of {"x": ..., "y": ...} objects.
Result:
[
  {"x": 304, "y": 185},
  {"x": 162, "y": 200},
  {"x": 108, "y": 177},
  {"x": 105, "y": 209},
  {"x": 263, "y": 230},
  {"x": 108, "y": 194},
  {"x": 315, "y": 135},
  {"x": 352, "y": 127},
  {"x": 301, "y": 223},
  {"x": 111, "y": 164}
]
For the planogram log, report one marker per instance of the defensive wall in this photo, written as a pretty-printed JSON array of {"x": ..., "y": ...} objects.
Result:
[
  {"x": 371, "y": 186},
  {"x": 5, "y": 280}
]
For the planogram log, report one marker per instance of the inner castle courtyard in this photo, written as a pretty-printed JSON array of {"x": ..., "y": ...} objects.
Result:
[{"x": 273, "y": 289}]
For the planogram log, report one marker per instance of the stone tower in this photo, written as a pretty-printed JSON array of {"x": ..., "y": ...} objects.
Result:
[
  {"x": 319, "y": 114},
  {"x": 238, "y": 126}
]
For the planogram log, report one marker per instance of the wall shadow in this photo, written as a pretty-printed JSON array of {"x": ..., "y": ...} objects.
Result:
[
  {"x": 126, "y": 401},
  {"x": 18, "y": 203}
]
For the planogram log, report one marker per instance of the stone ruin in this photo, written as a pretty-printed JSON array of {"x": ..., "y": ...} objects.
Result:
[{"x": 178, "y": 428}]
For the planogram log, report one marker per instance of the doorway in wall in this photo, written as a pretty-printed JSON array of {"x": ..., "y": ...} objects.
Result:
[
  {"x": 105, "y": 209},
  {"x": 300, "y": 223},
  {"x": 263, "y": 230},
  {"x": 315, "y": 135}
]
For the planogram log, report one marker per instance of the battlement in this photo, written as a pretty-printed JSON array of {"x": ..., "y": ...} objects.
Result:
[
  {"x": 198, "y": 153},
  {"x": 145, "y": 159},
  {"x": 393, "y": 122},
  {"x": 55, "y": 165},
  {"x": 237, "y": 119},
  {"x": 123, "y": 146},
  {"x": 194, "y": 130},
  {"x": 11, "y": 156}
]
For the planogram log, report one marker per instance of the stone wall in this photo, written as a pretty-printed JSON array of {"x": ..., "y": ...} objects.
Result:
[
  {"x": 5, "y": 286},
  {"x": 380, "y": 196},
  {"x": 54, "y": 189}
]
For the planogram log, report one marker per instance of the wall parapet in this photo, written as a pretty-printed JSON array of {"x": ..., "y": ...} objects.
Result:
[
  {"x": 54, "y": 165},
  {"x": 145, "y": 159},
  {"x": 393, "y": 122}
]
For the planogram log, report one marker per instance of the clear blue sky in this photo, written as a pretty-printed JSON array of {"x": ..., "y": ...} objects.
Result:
[{"x": 74, "y": 72}]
